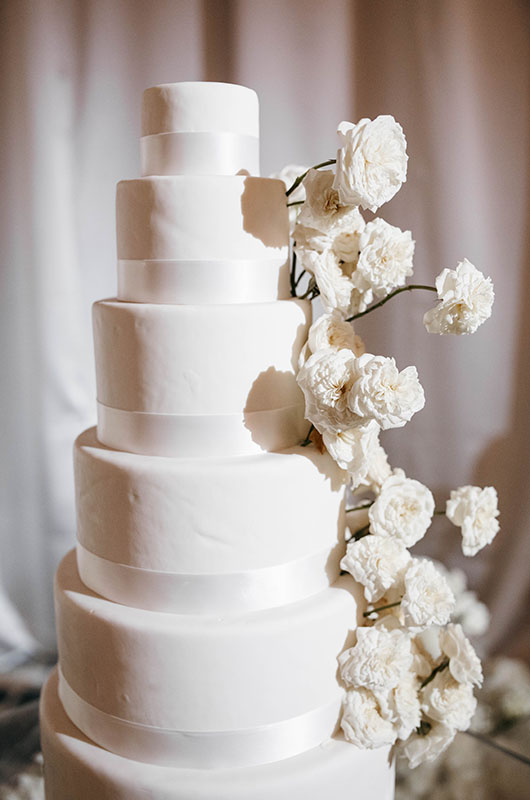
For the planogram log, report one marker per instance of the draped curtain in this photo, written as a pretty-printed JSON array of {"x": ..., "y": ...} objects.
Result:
[{"x": 455, "y": 73}]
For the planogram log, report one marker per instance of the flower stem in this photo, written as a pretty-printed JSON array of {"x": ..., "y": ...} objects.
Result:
[
  {"x": 300, "y": 178},
  {"x": 307, "y": 439},
  {"x": 381, "y": 608},
  {"x": 389, "y": 297},
  {"x": 292, "y": 280},
  {"x": 297, "y": 281},
  {"x": 507, "y": 752},
  {"x": 295, "y": 203},
  {"x": 361, "y": 533},
  {"x": 436, "y": 670},
  {"x": 439, "y": 513},
  {"x": 359, "y": 508}
]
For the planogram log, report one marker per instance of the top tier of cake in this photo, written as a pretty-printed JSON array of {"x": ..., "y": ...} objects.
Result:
[
  {"x": 200, "y": 226},
  {"x": 200, "y": 128}
]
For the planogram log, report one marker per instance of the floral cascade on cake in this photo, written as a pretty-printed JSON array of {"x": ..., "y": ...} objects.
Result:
[{"x": 410, "y": 675}]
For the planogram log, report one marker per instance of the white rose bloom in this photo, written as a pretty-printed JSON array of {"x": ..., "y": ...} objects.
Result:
[
  {"x": 428, "y": 600},
  {"x": 353, "y": 449},
  {"x": 475, "y": 511},
  {"x": 383, "y": 393},
  {"x": 402, "y": 510},
  {"x": 378, "y": 469},
  {"x": 325, "y": 380},
  {"x": 379, "y": 659},
  {"x": 401, "y": 706},
  {"x": 332, "y": 330},
  {"x": 422, "y": 749},
  {"x": 333, "y": 280},
  {"x": 288, "y": 175},
  {"x": 385, "y": 259},
  {"x": 466, "y": 300},
  {"x": 372, "y": 162},
  {"x": 376, "y": 563},
  {"x": 445, "y": 700},
  {"x": 464, "y": 664},
  {"x": 362, "y": 722}
]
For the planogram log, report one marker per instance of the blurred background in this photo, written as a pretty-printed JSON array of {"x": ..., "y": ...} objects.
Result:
[{"x": 454, "y": 73}]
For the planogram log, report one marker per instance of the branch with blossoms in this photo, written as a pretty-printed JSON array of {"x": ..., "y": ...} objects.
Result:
[{"x": 398, "y": 688}]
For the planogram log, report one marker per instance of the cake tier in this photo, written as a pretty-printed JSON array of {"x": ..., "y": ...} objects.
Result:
[
  {"x": 199, "y": 380},
  {"x": 75, "y": 767},
  {"x": 233, "y": 676},
  {"x": 224, "y": 237},
  {"x": 200, "y": 106},
  {"x": 167, "y": 534}
]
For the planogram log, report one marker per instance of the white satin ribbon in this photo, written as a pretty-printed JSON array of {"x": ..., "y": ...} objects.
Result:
[
  {"x": 230, "y": 593},
  {"x": 203, "y": 282},
  {"x": 201, "y": 749},
  {"x": 199, "y": 153},
  {"x": 198, "y": 436}
]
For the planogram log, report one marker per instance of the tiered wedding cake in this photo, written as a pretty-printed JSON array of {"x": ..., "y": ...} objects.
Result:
[{"x": 200, "y": 620}]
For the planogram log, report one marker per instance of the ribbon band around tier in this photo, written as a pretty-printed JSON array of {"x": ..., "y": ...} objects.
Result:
[
  {"x": 200, "y": 435},
  {"x": 230, "y": 593},
  {"x": 201, "y": 749},
  {"x": 199, "y": 153},
  {"x": 203, "y": 282}
]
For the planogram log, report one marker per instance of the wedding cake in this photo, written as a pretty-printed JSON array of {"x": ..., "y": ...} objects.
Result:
[{"x": 201, "y": 615}]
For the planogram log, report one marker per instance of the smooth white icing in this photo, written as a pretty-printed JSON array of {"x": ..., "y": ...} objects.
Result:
[
  {"x": 182, "y": 515},
  {"x": 202, "y": 217},
  {"x": 77, "y": 768},
  {"x": 203, "y": 282},
  {"x": 208, "y": 153},
  {"x": 200, "y": 106},
  {"x": 202, "y": 673},
  {"x": 198, "y": 359}
]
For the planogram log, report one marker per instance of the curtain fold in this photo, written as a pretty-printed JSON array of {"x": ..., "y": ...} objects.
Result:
[{"x": 456, "y": 74}]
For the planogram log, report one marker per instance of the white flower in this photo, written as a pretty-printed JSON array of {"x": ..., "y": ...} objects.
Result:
[
  {"x": 288, "y": 175},
  {"x": 353, "y": 449},
  {"x": 331, "y": 330},
  {"x": 385, "y": 260},
  {"x": 383, "y": 393},
  {"x": 378, "y": 469},
  {"x": 466, "y": 300},
  {"x": 372, "y": 162},
  {"x": 362, "y": 722},
  {"x": 421, "y": 749},
  {"x": 377, "y": 563},
  {"x": 475, "y": 511},
  {"x": 401, "y": 706},
  {"x": 333, "y": 279},
  {"x": 379, "y": 659},
  {"x": 446, "y": 700},
  {"x": 464, "y": 664},
  {"x": 326, "y": 379},
  {"x": 428, "y": 600},
  {"x": 403, "y": 509},
  {"x": 322, "y": 207}
]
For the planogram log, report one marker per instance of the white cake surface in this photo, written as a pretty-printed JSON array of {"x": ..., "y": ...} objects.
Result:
[
  {"x": 202, "y": 217},
  {"x": 228, "y": 371},
  {"x": 77, "y": 768},
  {"x": 149, "y": 513},
  {"x": 197, "y": 106},
  {"x": 200, "y": 618},
  {"x": 203, "y": 673}
]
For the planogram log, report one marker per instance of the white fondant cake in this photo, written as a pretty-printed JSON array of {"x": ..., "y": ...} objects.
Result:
[{"x": 200, "y": 619}]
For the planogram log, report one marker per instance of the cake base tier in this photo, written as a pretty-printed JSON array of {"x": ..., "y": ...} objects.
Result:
[{"x": 76, "y": 767}]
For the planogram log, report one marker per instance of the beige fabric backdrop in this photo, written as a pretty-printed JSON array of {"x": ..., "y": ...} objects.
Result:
[{"x": 455, "y": 73}]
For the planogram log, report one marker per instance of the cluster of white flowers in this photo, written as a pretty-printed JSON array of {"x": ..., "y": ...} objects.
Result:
[
  {"x": 466, "y": 299},
  {"x": 475, "y": 511},
  {"x": 410, "y": 675}
]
